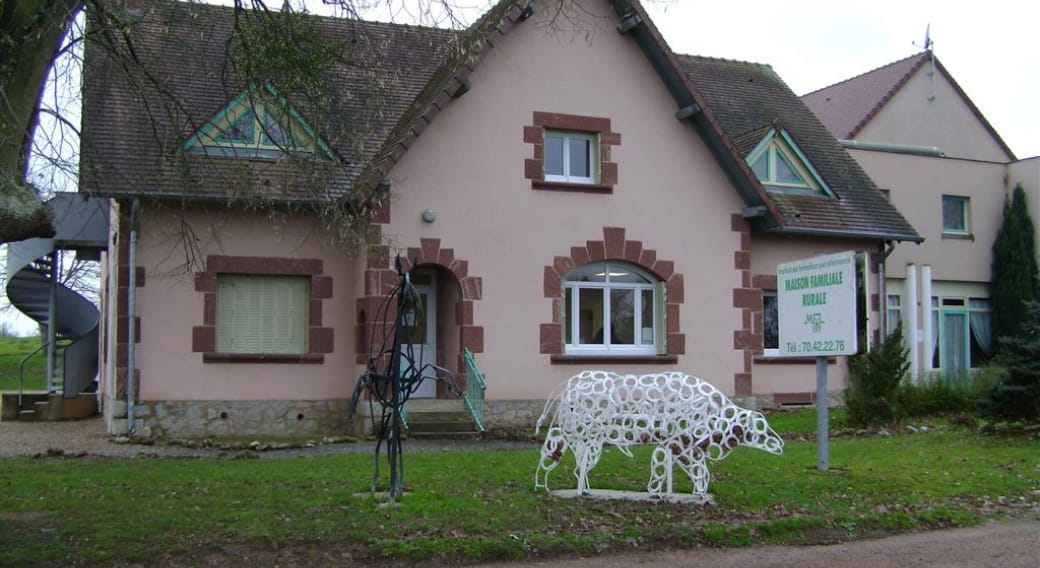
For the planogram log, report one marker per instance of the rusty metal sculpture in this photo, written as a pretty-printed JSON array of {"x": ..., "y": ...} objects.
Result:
[
  {"x": 687, "y": 419},
  {"x": 394, "y": 373}
]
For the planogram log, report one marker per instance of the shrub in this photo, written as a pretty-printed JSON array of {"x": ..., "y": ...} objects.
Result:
[
  {"x": 1017, "y": 396},
  {"x": 874, "y": 381},
  {"x": 956, "y": 393}
]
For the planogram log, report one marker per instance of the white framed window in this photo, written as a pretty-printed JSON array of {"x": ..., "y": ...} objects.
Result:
[
  {"x": 262, "y": 314},
  {"x": 894, "y": 316},
  {"x": 613, "y": 308},
  {"x": 770, "y": 324},
  {"x": 955, "y": 215},
  {"x": 571, "y": 157}
]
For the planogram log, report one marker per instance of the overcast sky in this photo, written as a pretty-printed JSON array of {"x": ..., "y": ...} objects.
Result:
[{"x": 989, "y": 47}]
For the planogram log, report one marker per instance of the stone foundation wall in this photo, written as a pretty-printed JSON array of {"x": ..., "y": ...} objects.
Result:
[
  {"x": 512, "y": 414},
  {"x": 243, "y": 419},
  {"x": 315, "y": 418}
]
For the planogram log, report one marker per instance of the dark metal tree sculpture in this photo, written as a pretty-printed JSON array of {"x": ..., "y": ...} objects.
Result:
[{"x": 394, "y": 372}]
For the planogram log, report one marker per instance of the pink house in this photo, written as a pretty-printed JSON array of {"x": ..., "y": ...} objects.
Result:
[{"x": 572, "y": 193}]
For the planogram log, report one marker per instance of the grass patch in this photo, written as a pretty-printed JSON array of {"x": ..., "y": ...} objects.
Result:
[
  {"x": 12, "y": 351},
  {"x": 482, "y": 506}
]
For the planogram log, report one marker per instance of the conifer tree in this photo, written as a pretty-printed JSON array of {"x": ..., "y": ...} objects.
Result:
[{"x": 1015, "y": 279}]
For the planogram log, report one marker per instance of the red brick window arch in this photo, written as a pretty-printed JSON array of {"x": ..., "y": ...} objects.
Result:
[{"x": 618, "y": 270}]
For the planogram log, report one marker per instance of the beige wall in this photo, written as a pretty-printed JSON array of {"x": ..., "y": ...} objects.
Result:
[
  {"x": 1027, "y": 173},
  {"x": 169, "y": 307},
  {"x": 671, "y": 195},
  {"x": 931, "y": 113},
  {"x": 916, "y": 185}
]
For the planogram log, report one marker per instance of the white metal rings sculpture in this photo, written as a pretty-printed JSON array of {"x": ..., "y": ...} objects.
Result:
[{"x": 689, "y": 420}]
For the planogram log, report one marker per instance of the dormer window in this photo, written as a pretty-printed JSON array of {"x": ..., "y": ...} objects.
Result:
[
  {"x": 783, "y": 168},
  {"x": 258, "y": 124}
]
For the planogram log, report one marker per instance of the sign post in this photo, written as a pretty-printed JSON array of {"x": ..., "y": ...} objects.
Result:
[{"x": 816, "y": 300}]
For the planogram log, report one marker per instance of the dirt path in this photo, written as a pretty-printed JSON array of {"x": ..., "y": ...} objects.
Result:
[
  {"x": 87, "y": 437},
  {"x": 1010, "y": 545}
]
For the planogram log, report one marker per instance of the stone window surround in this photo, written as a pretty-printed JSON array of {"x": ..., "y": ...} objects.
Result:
[
  {"x": 320, "y": 339},
  {"x": 534, "y": 134},
  {"x": 614, "y": 246}
]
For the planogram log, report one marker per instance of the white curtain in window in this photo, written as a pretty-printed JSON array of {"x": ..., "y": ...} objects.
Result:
[
  {"x": 934, "y": 339},
  {"x": 980, "y": 325}
]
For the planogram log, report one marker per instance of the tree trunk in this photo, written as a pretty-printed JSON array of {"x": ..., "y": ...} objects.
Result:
[{"x": 31, "y": 32}]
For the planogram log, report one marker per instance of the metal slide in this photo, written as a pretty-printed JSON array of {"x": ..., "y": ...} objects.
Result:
[{"x": 81, "y": 225}]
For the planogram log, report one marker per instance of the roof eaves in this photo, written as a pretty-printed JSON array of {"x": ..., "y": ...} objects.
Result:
[
  {"x": 667, "y": 65},
  {"x": 840, "y": 233}
]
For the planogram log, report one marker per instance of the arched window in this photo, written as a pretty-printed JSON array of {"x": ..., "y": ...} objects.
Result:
[{"x": 613, "y": 308}]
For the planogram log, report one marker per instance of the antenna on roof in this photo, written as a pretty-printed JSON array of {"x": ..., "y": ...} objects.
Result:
[
  {"x": 928, "y": 46},
  {"x": 928, "y": 43}
]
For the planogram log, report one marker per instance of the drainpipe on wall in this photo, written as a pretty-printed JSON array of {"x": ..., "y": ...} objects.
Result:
[
  {"x": 887, "y": 249},
  {"x": 912, "y": 334},
  {"x": 131, "y": 332}
]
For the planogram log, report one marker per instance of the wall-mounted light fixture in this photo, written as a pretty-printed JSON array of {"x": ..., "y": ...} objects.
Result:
[{"x": 429, "y": 215}]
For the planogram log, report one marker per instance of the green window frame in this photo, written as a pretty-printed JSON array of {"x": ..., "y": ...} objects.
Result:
[
  {"x": 259, "y": 123},
  {"x": 955, "y": 215},
  {"x": 782, "y": 167}
]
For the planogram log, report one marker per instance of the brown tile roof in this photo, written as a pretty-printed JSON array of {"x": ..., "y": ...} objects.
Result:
[
  {"x": 749, "y": 99},
  {"x": 396, "y": 79},
  {"x": 846, "y": 107},
  {"x": 137, "y": 116}
]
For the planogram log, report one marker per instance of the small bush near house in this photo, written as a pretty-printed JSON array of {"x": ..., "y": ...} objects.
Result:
[
  {"x": 1017, "y": 396},
  {"x": 873, "y": 395},
  {"x": 957, "y": 393}
]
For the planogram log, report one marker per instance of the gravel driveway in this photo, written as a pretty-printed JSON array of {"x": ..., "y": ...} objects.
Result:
[{"x": 87, "y": 437}]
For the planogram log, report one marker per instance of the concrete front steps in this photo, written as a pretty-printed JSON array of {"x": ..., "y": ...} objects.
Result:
[
  {"x": 43, "y": 406},
  {"x": 432, "y": 418}
]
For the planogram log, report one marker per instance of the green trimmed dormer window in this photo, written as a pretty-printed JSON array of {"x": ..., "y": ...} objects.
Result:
[
  {"x": 259, "y": 123},
  {"x": 782, "y": 167}
]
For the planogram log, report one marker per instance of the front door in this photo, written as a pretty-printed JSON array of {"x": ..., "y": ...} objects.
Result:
[{"x": 422, "y": 330}]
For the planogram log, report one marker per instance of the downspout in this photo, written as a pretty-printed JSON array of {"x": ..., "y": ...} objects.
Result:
[
  {"x": 131, "y": 332},
  {"x": 887, "y": 249}
]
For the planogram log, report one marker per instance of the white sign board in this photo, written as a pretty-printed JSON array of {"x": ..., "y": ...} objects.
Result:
[{"x": 816, "y": 300}]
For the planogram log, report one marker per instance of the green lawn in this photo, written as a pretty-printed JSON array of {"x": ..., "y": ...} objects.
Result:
[
  {"x": 481, "y": 505},
  {"x": 12, "y": 350}
]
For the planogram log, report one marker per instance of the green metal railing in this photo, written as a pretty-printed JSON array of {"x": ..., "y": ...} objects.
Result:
[{"x": 475, "y": 387}]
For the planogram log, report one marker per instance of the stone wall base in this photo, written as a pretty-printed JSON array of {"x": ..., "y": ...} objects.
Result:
[{"x": 240, "y": 419}]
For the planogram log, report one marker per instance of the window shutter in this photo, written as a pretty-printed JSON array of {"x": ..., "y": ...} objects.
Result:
[
  {"x": 660, "y": 329},
  {"x": 262, "y": 314}
]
